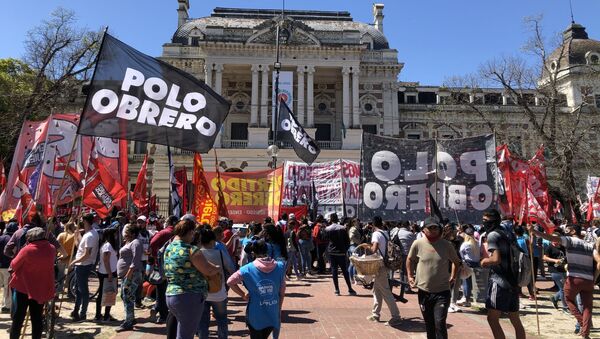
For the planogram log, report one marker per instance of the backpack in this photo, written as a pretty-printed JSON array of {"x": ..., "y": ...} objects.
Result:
[
  {"x": 519, "y": 265},
  {"x": 157, "y": 276},
  {"x": 304, "y": 233},
  {"x": 393, "y": 256},
  {"x": 322, "y": 235}
]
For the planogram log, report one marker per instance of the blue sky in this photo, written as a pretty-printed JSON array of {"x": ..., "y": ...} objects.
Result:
[{"x": 435, "y": 39}]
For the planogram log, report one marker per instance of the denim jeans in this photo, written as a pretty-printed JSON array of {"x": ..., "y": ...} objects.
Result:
[
  {"x": 188, "y": 309},
  {"x": 220, "y": 312},
  {"x": 82, "y": 295},
  {"x": 434, "y": 307},
  {"x": 128, "y": 290},
  {"x": 467, "y": 285},
  {"x": 351, "y": 268},
  {"x": 306, "y": 261},
  {"x": 559, "y": 280},
  {"x": 160, "y": 306},
  {"x": 293, "y": 258}
]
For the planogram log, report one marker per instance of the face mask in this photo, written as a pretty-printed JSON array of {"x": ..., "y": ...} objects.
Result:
[{"x": 433, "y": 238}]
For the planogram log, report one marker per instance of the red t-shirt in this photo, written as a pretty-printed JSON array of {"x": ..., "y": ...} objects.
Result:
[{"x": 33, "y": 271}]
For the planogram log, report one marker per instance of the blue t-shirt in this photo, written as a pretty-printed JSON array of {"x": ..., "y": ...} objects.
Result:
[
  {"x": 263, "y": 289},
  {"x": 274, "y": 251}
]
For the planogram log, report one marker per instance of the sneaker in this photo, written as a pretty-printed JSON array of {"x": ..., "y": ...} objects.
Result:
[
  {"x": 5, "y": 310},
  {"x": 337, "y": 292},
  {"x": 461, "y": 301},
  {"x": 110, "y": 318},
  {"x": 532, "y": 298},
  {"x": 160, "y": 321},
  {"x": 74, "y": 316},
  {"x": 464, "y": 303},
  {"x": 98, "y": 318},
  {"x": 554, "y": 302},
  {"x": 124, "y": 327},
  {"x": 394, "y": 322},
  {"x": 577, "y": 328},
  {"x": 352, "y": 292},
  {"x": 373, "y": 317},
  {"x": 401, "y": 299},
  {"x": 453, "y": 309}
]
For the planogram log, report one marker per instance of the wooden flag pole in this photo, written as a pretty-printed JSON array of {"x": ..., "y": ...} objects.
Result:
[{"x": 537, "y": 315}]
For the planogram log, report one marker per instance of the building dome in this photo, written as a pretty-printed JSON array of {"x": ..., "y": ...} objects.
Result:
[{"x": 577, "y": 49}]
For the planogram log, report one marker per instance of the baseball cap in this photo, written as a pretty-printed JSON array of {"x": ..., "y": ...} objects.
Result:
[
  {"x": 430, "y": 221},
  {"x": 142, "y": 218}
]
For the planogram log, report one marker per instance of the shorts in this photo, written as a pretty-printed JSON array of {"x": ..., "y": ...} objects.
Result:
[{"x": 502, "y": 299}]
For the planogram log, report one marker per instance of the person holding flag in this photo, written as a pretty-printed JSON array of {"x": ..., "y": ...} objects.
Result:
[{"x": 580, "y": 276}]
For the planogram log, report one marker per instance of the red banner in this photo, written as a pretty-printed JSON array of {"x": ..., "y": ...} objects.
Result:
[
  {"x": 298, "y": 211},
  {"x": 140, "y": 192},
  {"x": 249, "y": 196},
  {"x": 518, "y": 175},
  {"x": 101, "y": 191},
  {"x": 204, "y": 207},
  {"x": 45, "y": 141}
]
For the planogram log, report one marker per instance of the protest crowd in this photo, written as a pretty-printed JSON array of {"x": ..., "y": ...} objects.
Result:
[{"x": 471, "y": 244}]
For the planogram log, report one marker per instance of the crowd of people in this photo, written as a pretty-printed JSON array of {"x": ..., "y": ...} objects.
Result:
[{"x": 179, "y": 265}]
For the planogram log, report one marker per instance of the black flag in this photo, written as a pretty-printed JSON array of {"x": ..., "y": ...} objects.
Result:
[
  {"x": 290, "y": 130},
  {"x": 434, "y": 209},
  {"x": 136, "y": 97}
]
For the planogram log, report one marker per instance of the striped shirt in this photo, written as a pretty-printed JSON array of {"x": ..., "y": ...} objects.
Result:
[{"x": 579, "y": 258}]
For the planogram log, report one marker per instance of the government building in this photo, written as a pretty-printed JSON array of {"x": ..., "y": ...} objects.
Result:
[{"x": 341, "y": 78}]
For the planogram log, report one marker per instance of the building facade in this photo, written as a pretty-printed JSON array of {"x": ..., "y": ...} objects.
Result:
[{"x": 343, "y": 79}]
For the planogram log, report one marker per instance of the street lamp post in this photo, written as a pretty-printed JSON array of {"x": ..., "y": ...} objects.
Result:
[{"x": 281, "y": 37}]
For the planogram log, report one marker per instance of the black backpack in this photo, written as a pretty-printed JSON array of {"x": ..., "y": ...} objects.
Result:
[{"x": 157, "y": 276}]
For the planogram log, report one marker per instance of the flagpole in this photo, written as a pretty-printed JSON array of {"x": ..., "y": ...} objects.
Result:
[
  {"x": 435, "y": 176},
  {"x": 342, "y": 188},
  {"x": 537, "y": 315},
  {"x": 360, "y": 176}
]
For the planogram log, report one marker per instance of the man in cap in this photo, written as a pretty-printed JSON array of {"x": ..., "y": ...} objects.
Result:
[
  {"x": 431, "y": 256},
  {"x": 381, "y": 284},
  {"x": 84, "y": 263}
]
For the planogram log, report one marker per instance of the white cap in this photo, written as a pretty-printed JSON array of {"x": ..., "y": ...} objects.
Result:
[{"x": 142, "y": 218}]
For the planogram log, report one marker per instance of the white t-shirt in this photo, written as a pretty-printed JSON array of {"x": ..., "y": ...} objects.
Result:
[
  {"x": 381, "y": 241},
  {"x": 107, "y": 247},
  {"x": 91, "y": 240},
  {"x": 145, "y": 240}
]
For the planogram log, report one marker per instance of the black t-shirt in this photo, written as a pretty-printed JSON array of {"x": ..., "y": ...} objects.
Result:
[{"x": 555, "y": 253}]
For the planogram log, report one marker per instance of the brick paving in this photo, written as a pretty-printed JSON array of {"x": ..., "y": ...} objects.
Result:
[{"x": 311, "y": 310}]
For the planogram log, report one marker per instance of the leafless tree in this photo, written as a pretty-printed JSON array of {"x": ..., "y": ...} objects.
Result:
[
  {"x": 564, "y": 131},
  {"x": 61, "y": 57}
]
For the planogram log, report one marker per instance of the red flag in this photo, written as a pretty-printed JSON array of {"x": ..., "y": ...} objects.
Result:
[
  {"x": 48, "y": 204},
  {"x": 593, "y": 203},
  {"x": 557, "y": 208},
  {"x": 2, "y": 176},
  {"x": 140, "y": 193},
  {"x": 153, "y": 204},
  {"x": 221, "y": 206},
  {"x": 535, "y": 211},
  {"x": 538, "y": 181},
  {"x": 204, "y": 207},
  {"x": 26, "y": 209},
  {"x": 573, "y": 216},
  {"x": 101, "y": 191},
  {"x": 181, "y": 177}
]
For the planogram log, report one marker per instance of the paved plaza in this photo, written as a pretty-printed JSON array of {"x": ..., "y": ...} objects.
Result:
[{"x": 311, "y": 310}]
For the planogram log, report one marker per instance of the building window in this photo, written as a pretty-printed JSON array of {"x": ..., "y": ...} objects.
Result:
[
  {"x": 413, "y": 136},
  {"x": 239, "y": 131},
  {"x": 322, "y": 107},
  {"x": 400, "y": 97},
  {"x": 240, "y": 105},
  {"x": 323, "y": 132},
  {"x": 411, "y": 99},
  {"x": 598, "y": 101},
  {"x": 493, "y": 99},
  {"x": 369, "y": 129},
  {"x": 368, "y": 107},
  {"x": 140, "y": 147},
  {"x": 427, "y": 98}
]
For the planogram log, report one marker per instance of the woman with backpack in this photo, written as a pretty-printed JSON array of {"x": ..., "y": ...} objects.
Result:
[
  {"x": 216, "y": 301},
  {"x": 292, "y": 248},
  {"x": 305, "y": 245},
  {"x": 107, "y": 271}
]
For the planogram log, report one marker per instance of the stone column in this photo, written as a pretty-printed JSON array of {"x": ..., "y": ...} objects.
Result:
[
  {"x": 254, "y": 98},
  {"x": 346, "y": 96},
  {"x": 208, "y": 68},
  {"x": 355, "y": 99},
  {"x": 310, "y": 106},
  {"x": 218, "y": 78},
  {"x": 264, "y": 97},
  {"x": 300, "y": 106}
]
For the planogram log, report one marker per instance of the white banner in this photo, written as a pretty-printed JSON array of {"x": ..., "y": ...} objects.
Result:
[
  {"x": 286, "y": 91},
  {"x": 324, "y": 182}
]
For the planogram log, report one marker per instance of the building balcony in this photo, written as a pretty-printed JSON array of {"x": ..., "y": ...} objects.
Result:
[
  {"x": 323, "y": 144},
  {"x": 226, "y": 143}
]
